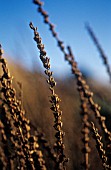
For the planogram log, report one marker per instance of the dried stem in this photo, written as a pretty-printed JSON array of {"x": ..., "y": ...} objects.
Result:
[
  {"x": 83, "y": 87},
  {"x": 86, "y": 130},
  {"x": 81, "y": 83},
  {"x": 100, "y": 148},
  {"x": 20, "y": 85},
  {"x": 102, "y": 54},
  {"x": 3, "y": 158},
  {"x": 59, "y": 145},
  {"x": 51, "y": 26}
]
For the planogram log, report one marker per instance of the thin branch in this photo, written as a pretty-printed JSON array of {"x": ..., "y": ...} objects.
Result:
[{"x": 102, "y": 54}]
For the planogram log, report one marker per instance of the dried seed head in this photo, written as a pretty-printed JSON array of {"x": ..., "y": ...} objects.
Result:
[{"x": 38, "y": 2}]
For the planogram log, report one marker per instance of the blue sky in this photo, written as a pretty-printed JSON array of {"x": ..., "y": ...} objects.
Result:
[{"x": 70, "y": 17}]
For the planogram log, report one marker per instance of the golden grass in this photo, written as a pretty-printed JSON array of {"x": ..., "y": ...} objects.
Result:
[
  {"x": 27, "y": 139},
  {"x": 38, "y": 113}
]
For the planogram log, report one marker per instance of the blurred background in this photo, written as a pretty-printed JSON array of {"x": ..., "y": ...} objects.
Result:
[{"x": 70, "y": 18}]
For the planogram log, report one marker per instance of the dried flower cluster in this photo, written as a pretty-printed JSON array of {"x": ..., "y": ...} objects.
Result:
[
  {"x": 54, "y": 100},
  {"x": 43, "y": 141},
  {"x": 100, "y": 147},
  {"x": 16, "y": 127}
]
